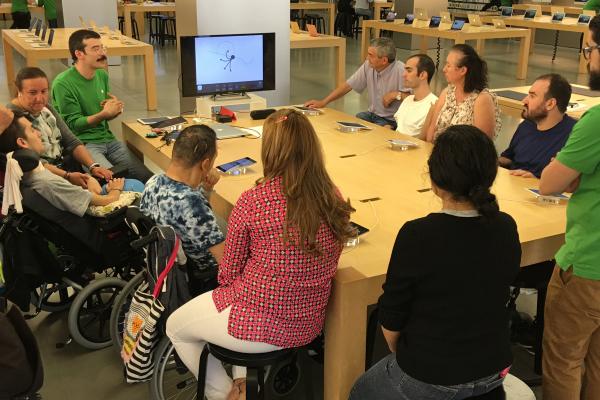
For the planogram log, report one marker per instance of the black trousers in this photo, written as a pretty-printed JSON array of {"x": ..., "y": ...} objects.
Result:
[
  {"x": 53, "y": 23},
  {"x": 21, "y": 20}
]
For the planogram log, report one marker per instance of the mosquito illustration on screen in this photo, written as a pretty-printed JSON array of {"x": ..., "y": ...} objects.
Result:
[{"x": 228, "y": 60}]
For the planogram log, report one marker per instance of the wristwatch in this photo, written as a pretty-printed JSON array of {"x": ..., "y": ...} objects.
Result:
[{"x": 399, "y": 96}]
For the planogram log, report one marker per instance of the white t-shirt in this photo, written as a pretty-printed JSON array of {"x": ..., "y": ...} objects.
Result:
[{"x": 411, "y": 114}]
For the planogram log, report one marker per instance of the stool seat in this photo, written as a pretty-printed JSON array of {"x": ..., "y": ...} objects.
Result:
[{"x": 249, "y": 359}]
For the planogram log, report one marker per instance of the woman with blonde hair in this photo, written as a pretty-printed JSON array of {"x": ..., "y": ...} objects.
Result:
[{"x": 284, "y": 240}]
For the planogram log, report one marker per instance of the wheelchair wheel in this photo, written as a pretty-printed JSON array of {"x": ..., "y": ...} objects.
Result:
[
  {"x": 53, "y": 297},
  {"x": 283, "y": 379},
  {"x": 168, "y": 381},
  {"x": 90, "y": 313},
  {"x": 120, "y": 308}
]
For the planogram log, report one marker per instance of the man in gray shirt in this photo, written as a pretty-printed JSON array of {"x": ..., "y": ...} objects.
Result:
[{"x": 381, "y": 75}]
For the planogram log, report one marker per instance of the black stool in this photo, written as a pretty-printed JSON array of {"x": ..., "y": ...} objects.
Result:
[
  {"x": 317, "y": 21},
  {"x": 255, "y": 363},
  {"x": 134, "y": 27}
]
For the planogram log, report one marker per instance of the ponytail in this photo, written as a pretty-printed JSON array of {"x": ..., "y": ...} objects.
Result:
[{"x": 484, "y": 201}]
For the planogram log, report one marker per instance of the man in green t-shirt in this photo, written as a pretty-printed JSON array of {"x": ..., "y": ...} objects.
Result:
[
  {"x": 571, "y": 345},
  {"x": 49, "y": 11},
  {"x": 20, "y": 14},
  {"x": 592, "y": 5},
  {"x": 81, "y": 96}
]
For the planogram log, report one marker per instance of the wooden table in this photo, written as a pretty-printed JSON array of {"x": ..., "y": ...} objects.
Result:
[
  {"x": 467, "y": 33},
  {"x": 60, "y": 49},
  {"x": 138, "y": 10},
  {"x": 514, "y": 107},
  {"x": 374, "y": 171},
  {"x": 304, "y": 41},
  {"x": 314, "y": 5},
  {"x": 569, "y": 10},
  {"x": 544, "y": 22}
]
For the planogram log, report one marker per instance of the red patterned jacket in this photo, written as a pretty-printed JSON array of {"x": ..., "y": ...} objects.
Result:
[{"x": 277, "y": 292}]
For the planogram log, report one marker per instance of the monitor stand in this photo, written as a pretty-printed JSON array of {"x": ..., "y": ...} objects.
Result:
[
  {"x": 230, "y": 96},
  {"x": 205, "y": 104}
]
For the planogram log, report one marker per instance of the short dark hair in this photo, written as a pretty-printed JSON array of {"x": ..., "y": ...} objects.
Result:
[
  {"x": 464, "y": 163},
  {"x": 558, "y": 88},
  {"x": 426, "y": 64},
  {"x": 476, "y": 78},
  {"x": 28, "y": 73},
  {"x": 76, "y": 41},
  {"x": 594, "y": 27},
  {"x": 194, "y": 144},
  {"x": 14, "y": 131}
]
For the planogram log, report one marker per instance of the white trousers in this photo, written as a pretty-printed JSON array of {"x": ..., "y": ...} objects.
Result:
[{"x": 198, "y": 322}]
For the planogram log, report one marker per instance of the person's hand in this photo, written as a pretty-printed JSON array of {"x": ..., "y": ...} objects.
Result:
[
  {"x": 522, "y": 173},
  {"x": 79, "y": 179},
  {"x": 6, "y": 117},
  {"x": 573, "y": 186},
  {"x": 211, "y": 180},
  {"x": 102, "y": 173},
  {"x": 115, "y": 184},
  {"x": 112, "y": 107},
  {"x": 389, "y": 98},
  {"x": 315, "y": 104}
]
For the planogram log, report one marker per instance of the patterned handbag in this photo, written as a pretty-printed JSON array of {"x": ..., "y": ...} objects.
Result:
[{"x": 141, "y": 335}]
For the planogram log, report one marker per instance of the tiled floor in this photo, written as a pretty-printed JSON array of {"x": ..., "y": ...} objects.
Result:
[{"x": 73, "y": 373}]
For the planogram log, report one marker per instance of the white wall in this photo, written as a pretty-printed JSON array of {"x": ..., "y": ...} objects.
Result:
[
  {"x": 244, "y": 16},
  {"x": 101, "y": 11}
]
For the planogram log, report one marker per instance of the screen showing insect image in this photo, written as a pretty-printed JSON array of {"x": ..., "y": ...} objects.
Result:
[{"x": 219, "y": 64}]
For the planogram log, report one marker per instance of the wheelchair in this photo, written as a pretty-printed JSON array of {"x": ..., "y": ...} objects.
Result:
[{"x": 58, "y": 261}]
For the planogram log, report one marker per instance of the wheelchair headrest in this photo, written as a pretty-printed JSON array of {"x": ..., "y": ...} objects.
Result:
[{"x": 27, "y": 159}]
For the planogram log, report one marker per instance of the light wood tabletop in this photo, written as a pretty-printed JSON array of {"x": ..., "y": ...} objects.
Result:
[
  {"x": 514, "y": 107},
  {"x": 138, "y": 10},
  {"x": 315, "y": 5},
  {"x": 305, "y": 41},
  {"x": 378, "y": 6},
  {"x": 115, "y": 45},
  {"x": 387, "y": 188},
  {"x": 545, "y": 22},
  {"x": 458, "y": 36}
]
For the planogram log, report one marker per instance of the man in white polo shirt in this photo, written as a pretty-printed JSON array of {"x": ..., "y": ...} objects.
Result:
[
  {"x": 418, "y": 71},
  {"x": 381, "y": 75}
]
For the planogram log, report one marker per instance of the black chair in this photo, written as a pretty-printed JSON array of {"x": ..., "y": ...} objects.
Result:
[
  {"x": 134, "y": 27},
  {"x": 255, "y": 364}
]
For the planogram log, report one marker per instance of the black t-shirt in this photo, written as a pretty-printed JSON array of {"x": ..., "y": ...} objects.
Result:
[{"x": 446, "y": 291}]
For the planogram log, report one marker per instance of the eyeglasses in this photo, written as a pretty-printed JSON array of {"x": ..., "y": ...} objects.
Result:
[
  {"x": 587, "y": 51},
  {"x": 98, "y": 49}
]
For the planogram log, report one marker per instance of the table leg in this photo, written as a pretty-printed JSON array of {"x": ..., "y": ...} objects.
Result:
[
  {"x": 127, "y": 16},
  {"x": 345, "y": 331},
  {"x": 151, "y": 100},
  {"x": 532, "y": 40},
  {"x": 331, "y": 18},
  {"x": 141, "y": 22},
  {"x": 424, "y": 44},
  {"x": 524, "y": 55},
  {"x": 480, "y": 47},
  {"x": 364, "y": 40},
  {"x": 9, "y": 66},
  {"x": 340, "y": 70}
]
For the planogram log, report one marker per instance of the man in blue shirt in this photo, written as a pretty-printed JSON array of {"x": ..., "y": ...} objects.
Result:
[{"x": 545, "y": 129}]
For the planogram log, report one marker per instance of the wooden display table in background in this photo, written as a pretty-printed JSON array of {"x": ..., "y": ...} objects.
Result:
[
  {"x": 60, "y": 49},
  {"x": 378, "y": 6},
  {"x": 547, "y": 8},
  {"x": 545, "y": 22},
  {"x": 467, "y": 33},
  {"x": 138, "y": 10},
  {"x": 304, "y": 41},
  {"x": 514, "y": 107},
  {"x": 364, "y": 167},
  {"x": 314, "y": 5}
]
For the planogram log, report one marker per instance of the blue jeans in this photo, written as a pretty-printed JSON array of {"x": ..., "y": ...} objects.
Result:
[
  {"x": 115, "y": 153},
  {"x": 376, "y": 119},
  {"x": 386, "y": 381}
]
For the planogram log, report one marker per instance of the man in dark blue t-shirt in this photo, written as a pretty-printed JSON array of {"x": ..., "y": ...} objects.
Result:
[{"x": 545, "y": 129}]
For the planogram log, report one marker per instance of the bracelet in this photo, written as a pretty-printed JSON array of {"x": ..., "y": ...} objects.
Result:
[{"x": 94, "y": 165}]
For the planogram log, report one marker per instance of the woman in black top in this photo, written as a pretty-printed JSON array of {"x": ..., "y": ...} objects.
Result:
[{"x": 443, "y": 309}]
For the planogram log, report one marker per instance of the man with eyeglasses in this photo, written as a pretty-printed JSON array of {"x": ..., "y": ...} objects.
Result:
[
  {"x": 81, "y": 96},
  {"x": 571, "y": 345}
]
